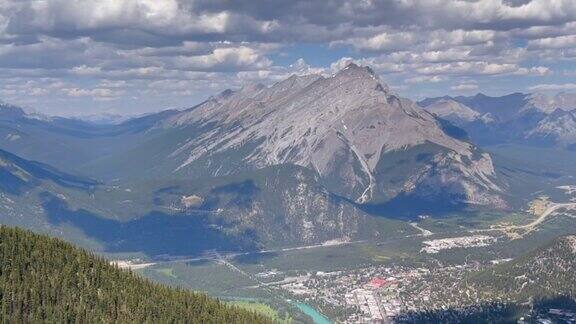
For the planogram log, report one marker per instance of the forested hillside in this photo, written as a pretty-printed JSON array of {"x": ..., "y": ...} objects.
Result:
[
  {"x": 527, "y": 286},
  {"x": 545, "y": 273},
  {"x": 47, "y": 280}
]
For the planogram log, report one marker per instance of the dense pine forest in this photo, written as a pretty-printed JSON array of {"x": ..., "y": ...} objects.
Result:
[{"x": 44, "y": 279}]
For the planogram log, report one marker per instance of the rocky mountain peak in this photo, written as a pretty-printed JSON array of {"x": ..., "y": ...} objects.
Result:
[
  {"x": 353, "y": 70},
  {"x": 341, "y": 127},
  {"x": 361, "y": 78}
]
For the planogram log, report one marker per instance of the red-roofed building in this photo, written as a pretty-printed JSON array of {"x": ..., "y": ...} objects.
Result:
[{"x": 377, "y": 283}]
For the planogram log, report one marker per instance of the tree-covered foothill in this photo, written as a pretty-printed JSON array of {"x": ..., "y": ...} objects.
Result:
[{"x": 44, "y": 279}]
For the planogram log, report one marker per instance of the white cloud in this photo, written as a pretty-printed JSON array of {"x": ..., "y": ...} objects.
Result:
[
  {"x": 385, "y": 41},
  {"x": 86, "y": 70},
  {"x": 224, "y": 58},
  {"x": 118, "y": 48},
  {"x": 536, "y": 70},
  {"x": 534, "y": 32},
  {"x": 469, "y": 68},
  {"x": 554, "y": 42},
  {"x": 426, "y": 40},
  {"x": 425, "y": 79},
  {"x": 464, "y": 87},
  {"x": 553, "y": 87},
  {"x": 97, "y": 93}
]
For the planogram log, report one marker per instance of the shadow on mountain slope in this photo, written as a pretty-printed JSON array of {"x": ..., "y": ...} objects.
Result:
[
  {"x": 154, "y": 234},
  {"x": 409, "y": 207},
  {"x": 18, "y": 175}
]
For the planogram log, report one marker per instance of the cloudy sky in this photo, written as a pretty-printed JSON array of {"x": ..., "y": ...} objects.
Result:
[{"x": 83, "y": 57}]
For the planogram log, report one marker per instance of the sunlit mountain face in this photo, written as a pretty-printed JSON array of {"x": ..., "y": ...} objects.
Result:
[{"x": 310, "y": 161}]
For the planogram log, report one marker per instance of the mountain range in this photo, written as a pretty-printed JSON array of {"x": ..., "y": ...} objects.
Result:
[
  {"x": 533, "y": 119},
  {"x": 307, "y": 160}
]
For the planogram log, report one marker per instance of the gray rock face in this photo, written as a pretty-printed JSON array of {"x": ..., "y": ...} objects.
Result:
[
  {"x": 564, "y": 101},
  {"x": 560, "y": 126},
  {"x": 453, "y": 111},
  {"x": 298, "y": 210},
  {"x": 344, "y": 127}
]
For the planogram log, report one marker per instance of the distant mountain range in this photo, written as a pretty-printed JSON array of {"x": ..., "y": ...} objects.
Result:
[
  {"x": 307, "y": 160},
  {"x": 523, "y": 118}
]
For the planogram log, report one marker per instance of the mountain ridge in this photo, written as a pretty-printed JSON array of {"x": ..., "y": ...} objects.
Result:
[
  {"x": 530, "y": 118},
  {"x": 309, "y": 121},
  {"x": 307, "y": 160}
]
